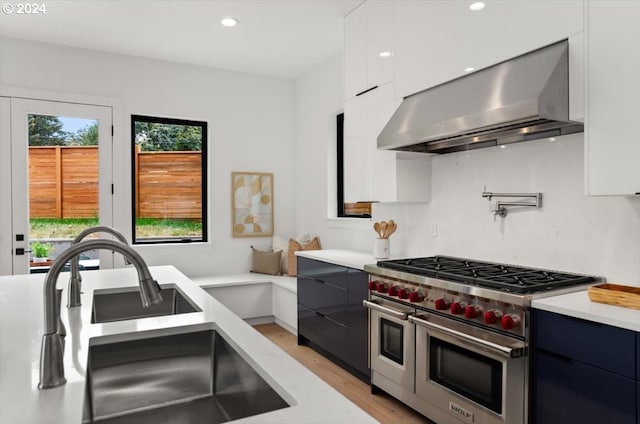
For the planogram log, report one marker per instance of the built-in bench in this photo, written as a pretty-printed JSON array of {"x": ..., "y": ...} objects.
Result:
[{"x": 256, "y": 298}]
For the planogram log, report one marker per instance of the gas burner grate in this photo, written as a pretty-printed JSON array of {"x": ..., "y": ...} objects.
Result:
[{"x": 503, "y": 277}]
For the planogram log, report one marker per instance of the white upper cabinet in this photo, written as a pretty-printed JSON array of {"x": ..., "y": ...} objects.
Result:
[
  {"x": 382, "y": 173},
  {"x": 612, "y": 116},
  {"x": 356, "y": 151},
  {"x": 435, "y": 41},
  {"x": 371, "y": 174},
  {"x": 379, "y": 42},
  {"x": 355, "y": 52},
  {"x": 368, "y": 47}
]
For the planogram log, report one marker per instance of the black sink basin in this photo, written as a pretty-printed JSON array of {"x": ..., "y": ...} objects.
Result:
[
  {"x": 189, "y": 378},
  {"x": 122, "y": 305}
]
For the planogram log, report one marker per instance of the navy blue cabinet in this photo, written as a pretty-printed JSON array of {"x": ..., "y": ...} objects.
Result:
[
  {"x": 331, "y": 317},
  {"x": 583, "y": 372},
  {"x": 571, "y": 392}
]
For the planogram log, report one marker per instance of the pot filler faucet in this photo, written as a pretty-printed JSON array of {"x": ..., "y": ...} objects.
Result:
[
  {"x": 73, "y": 297},
  {"x": 51, "y": 355}
]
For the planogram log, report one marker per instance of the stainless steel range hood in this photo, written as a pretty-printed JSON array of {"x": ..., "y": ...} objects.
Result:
[{"x": 524, "y": 98}]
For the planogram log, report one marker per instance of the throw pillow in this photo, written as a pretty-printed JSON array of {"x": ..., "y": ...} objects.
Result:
[
  {"x": 266, "y": 262},
  {"x": 294, "y": 246},
  {"x": 280, "y": 243}
]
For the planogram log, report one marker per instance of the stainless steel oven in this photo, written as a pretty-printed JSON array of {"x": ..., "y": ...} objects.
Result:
[
  {"x": 469, "y": 320},
  {"x": 471, "y": 374},
  {"x": 392, "y": 342}
]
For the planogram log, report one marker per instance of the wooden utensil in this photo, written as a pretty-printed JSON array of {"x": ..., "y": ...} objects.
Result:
[
  {"x": 383, "y": 228},
  {"x": 376, "y": 228},
  {"x": 391, "y": 229}
]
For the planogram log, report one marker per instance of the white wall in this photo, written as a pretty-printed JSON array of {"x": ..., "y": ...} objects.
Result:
[
  {"x": 572, "y": 232},
  {"x": 318, "y": 101},
  {"x": 251, "y": 128},
  {"x": 593, "y": 235}
]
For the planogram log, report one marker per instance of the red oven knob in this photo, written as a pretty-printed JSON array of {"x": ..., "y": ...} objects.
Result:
[
  {"x": 416, "y": 296},
  {"x": 442, "y": 304},
  {"x": 393, "y": 291},
  {"x": 472, "y": 311},
  {"x": 383, "y": 288},
  {"x": 373, "y": 285},
  {"x": 457, "y": 308},
  {"x": 403, "y": 294},
  {"x": 492, "y": 317},
  {"x": 510, "y": 321}
]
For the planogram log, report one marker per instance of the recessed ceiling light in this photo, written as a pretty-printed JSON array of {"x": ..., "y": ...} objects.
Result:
[
  {"x": 552, "y": 139},
  {"x": 469, "y": 69},
  {"x": 229, "y": 22},
  {"x": 385, "y": 54},
  {"x": 477, "y": 6},
  {"x": 503, "y": 147}
]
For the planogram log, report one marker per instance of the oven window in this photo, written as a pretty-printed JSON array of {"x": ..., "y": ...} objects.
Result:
[
  {"x": 471, "y": 375},
  {"x": 392, "y": 340}
]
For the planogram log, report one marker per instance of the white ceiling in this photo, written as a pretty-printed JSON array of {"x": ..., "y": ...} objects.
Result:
[{"x": 284, "y": 38}]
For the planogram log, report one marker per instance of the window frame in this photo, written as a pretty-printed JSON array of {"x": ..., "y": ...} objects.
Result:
[
  {"x": 340, "y": 162},
  {"x": 204, "y": 180}
]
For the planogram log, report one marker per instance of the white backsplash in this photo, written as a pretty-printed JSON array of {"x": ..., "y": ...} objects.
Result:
[{"x": 571, "y": 232}]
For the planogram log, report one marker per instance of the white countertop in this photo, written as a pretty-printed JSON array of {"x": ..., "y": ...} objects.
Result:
[
  {"x": 348, "y": 258},
  {"x": 579, "y": 305},
  {"x": 21, "y": 328}
]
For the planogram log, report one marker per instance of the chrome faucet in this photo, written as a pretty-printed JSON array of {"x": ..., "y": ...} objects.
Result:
[
  {"x": 73, "y": 296},
  {"x": 51, "y": 356}
]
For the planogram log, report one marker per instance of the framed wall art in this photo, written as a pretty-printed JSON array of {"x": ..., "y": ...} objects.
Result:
[{"x": 252, "y": 203}]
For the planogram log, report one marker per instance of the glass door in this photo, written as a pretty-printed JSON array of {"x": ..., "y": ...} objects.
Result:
[{"x": 60, "y": 180}]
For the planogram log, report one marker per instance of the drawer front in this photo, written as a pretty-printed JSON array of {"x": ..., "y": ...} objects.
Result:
[
  {"x": 324, "y": 332},
  {"x": 358, "y": 289},
  {"x": 323, "y": 297},
  {"x": 330, "y": 273},
  {"x": 602, "y": 346},
  {"x": 568, "y": 392},
  {"x": 359, "y": 341},
  {"x": 358, "y": 320}
]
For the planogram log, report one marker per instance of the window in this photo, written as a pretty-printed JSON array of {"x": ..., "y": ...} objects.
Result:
[
  {"x": 169, "y": 165},
  {"x": 346, "y": 210}
]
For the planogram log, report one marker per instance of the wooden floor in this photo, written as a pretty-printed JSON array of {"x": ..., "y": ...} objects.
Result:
[{"x": 381, "y": 406}]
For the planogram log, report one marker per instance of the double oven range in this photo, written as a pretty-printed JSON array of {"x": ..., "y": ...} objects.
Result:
[{"x": 450, "y": 336}]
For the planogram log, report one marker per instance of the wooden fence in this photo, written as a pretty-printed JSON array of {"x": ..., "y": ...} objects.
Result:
[
  {"x": 63, "y": 183},
  {"x": 169, "y": 184}
]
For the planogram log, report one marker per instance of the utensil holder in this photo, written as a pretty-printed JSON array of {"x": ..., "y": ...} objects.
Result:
[{"x": 381, "y": 248}]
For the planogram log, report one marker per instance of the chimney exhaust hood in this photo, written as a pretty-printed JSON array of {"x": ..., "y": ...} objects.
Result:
[{"x": 521, "y": 99}]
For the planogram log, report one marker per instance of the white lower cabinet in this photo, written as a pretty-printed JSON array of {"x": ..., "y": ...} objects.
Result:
[
  {"x": 612, "y": 115},
  {"x": 259, "y": 303},
  {"x": 377, "y": 175},
  {"x": 247, "y": 301},
  {"x": 285, "y": 310}
]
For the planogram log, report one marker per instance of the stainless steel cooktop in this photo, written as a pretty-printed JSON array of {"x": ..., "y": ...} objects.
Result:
[{"x": 507, "y": 278}]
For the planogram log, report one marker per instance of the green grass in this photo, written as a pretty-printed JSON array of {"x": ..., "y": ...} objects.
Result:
[
  {"x": 69, "y": 228},
  {"x": 53, "y": 228},
  {"x": 150, "y": 227}
]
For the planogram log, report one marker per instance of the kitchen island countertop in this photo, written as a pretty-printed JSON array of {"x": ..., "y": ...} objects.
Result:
[
  {"x": 578, "y": 305},
  {"x": 21, "y": 328}
]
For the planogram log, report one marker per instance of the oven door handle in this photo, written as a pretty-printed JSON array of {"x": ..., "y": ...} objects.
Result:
[
  {"x": 503, "y": 350},
  {"x": 396, "y": 314}
]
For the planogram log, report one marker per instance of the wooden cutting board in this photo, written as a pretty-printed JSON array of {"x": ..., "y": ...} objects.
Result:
[{"x": 616, "y": 294}]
